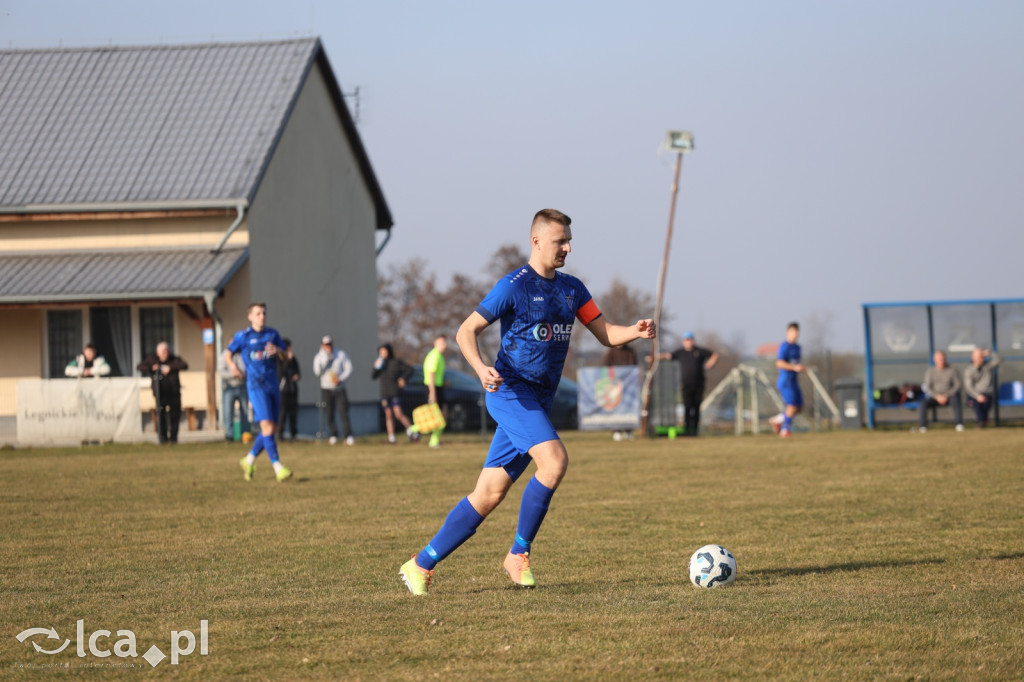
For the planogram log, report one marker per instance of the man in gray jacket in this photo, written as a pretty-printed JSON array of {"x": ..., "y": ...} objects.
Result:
[
  {"x": 234, "y": 391},
  {"x": 942, "y": 387},
  {"x": 979, "y": 383},
  {"x": 334, "y": 368}
]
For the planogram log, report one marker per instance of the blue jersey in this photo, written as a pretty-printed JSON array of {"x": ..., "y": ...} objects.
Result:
[
  {"x": 788, "y": 352},
  {"x": 260, "y": 368},
  {"x": 537, "y": 317}
]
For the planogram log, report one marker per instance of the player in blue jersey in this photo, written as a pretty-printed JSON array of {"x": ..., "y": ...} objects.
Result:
[
  {"x": 258, "y": 346},
  {"x": 537, "y": 307},
  {"x": 788, "y": 363}
]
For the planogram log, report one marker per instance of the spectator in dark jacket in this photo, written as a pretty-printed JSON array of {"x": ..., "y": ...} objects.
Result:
[
  {"x": 393, "y": 373},
  {"x": 288, "y": 379},
  {"x": 163, "y": 366}
]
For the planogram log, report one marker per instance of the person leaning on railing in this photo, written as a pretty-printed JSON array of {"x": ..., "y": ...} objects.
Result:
[{"x": 88, "y": 364}]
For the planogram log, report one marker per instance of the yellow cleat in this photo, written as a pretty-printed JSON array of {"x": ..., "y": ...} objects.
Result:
[
  {"x": 517, "y": 567},
  {"x": 247, "y": 469},
  {"x": 414, "y": 577}
]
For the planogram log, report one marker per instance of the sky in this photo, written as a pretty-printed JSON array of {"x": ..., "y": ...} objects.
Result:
[{"x": 845, "y": 152}]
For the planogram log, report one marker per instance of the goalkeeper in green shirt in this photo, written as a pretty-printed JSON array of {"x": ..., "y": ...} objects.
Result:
[{"x": 433, "y": 378}]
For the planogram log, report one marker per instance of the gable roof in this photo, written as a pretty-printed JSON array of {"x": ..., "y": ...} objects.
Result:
[{"x": 131, "y": 126}]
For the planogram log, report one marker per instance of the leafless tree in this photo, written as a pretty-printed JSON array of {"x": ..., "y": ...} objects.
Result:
[
  {"x": 414, "y": 308},
  {"x": 505, "y": 259},
  {"x": 624, "y": 305}
]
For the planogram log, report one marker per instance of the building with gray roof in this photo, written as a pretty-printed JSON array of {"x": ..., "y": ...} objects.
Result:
[{"x": 154, "y": 191}]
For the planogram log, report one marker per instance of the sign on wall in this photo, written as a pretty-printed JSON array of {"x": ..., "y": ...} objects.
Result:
[
  {"x": 609, "y": 397},
  {"x": 63, "y": 411}
]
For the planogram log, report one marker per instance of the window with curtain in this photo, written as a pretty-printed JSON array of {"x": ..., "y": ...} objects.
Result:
[
  {"x": 64, "y": 334},
  {"x": 111, "y": 331},
  {"x": 155, "y": 325}
]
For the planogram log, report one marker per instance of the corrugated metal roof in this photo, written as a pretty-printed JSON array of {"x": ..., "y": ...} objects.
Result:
[
  {"x": 106, "y": 275},
  {"x": 135, "y": 124}
]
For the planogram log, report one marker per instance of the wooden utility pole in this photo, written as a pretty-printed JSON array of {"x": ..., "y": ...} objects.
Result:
[{"x": 679, "y": 142}]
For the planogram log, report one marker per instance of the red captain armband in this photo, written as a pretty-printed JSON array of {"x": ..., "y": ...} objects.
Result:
[{"x": 588, "y": 312}]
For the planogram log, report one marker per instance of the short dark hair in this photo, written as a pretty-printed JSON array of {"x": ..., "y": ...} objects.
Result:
[
  {"x": 88, "y": 346},
  {"x": 550, "y": 215},
  {"x": 261, "y": 304},
  {"x": 793, "y": 325}
]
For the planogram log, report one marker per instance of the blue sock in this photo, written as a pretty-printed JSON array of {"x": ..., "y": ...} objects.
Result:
[
  {"x": 533, "y": 508},
  {"x": 257, "y": 446},
  {"x": 787, "y": 422},
  {"x": 459, "y": 526},
  {"x": 271, "y": 445}
]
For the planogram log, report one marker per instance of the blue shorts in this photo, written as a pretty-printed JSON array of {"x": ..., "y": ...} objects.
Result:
[
  {"x": 523, "y": 422},
  {"x": 393, "y": 401},
  {"x": 266, "y": 405},
  {"x": 791, "y": 395}
]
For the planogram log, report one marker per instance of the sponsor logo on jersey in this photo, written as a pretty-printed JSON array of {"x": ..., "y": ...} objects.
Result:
[{"x": 551, "y": 332}]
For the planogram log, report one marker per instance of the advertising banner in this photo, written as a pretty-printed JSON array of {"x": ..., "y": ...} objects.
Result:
[
  {"x": 609, "y": 398},
  {"x": 66, "y": 411}
]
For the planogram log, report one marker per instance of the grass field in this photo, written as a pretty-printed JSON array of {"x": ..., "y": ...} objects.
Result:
[{"x": 861, "y": 556}]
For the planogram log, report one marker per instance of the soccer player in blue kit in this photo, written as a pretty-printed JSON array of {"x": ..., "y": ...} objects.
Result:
[
  {"x": 258, "y": 346},
  {"x": 788, "y": 363},
  {"x": 536, "y": 306}
]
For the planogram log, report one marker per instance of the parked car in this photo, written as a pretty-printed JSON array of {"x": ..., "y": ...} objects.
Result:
[
  {"x": 564, "y": 414},
  {"x": 466, "y": 401}
]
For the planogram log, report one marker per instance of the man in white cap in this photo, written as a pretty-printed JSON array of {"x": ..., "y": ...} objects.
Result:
[{"x": 334, "y": 367}]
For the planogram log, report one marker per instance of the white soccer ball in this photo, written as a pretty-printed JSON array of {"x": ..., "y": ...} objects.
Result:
[{"x": 712, "y": 566}]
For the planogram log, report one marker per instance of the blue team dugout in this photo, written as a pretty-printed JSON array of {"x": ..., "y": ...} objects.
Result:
[{"x": 901, "y": 338}]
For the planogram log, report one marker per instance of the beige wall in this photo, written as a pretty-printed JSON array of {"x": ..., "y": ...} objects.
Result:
[
  {"x": 189, "y": 345},
  {"x": 312, "y": 243},
  {"x": 233, "y": 306},
  {"x": 21, "y": 337},
  {"x": 116, "y": 234},
  {"x": 193, "y": 392}
]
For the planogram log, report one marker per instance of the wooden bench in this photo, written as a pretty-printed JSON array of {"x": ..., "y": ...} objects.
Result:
[{"x": 1011, "y": 394}]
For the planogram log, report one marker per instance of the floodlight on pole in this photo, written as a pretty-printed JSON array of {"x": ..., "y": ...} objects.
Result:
[{"x": 678, "y": 142}]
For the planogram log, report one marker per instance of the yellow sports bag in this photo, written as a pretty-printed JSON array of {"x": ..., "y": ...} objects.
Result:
[{"x": 428, "y": 418}]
